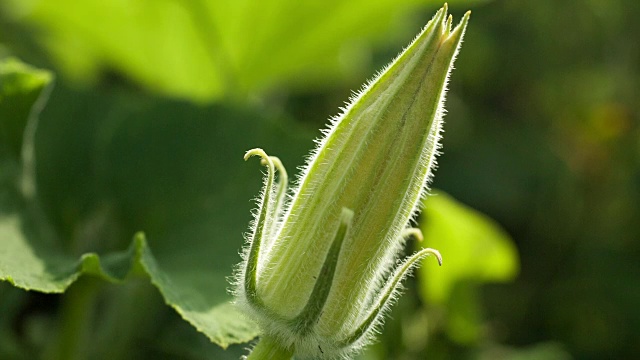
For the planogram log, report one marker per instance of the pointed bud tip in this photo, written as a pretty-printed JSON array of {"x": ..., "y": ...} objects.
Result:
[
  {"x": 443, "y": 11},
  {"x": 466, "y": 17},
  {"x": 440, "y": 15},
  {"x": 456, "y": 34},
  {"x": 447, "y": 25}
]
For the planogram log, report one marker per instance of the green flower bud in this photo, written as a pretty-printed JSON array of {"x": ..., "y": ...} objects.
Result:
[{"x": 321, "y": 267}]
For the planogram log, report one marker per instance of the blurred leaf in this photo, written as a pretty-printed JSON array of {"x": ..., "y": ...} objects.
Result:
[
  {"x": 180, "y": 340},
  {"x": 109, "y": 165},
  {"x": 114, "y": 164},
  {"x": 29, "y": 257},
  {"x": 546, "y": 350},
  {"x": 464, "y": 314},
  {"x": 20, "y": 87},
  {"x": 208, "y": 49},
  {"x": 475, "y": 251},
  {"x": 10, "y": 301},
  {"x": 473, "y": 246}
]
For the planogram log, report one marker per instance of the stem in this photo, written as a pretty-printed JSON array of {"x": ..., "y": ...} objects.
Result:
[
  {"x": 128, "y": 315},
  {"x": 269, "y": 349},
  {"x": 74, "y": 335}
]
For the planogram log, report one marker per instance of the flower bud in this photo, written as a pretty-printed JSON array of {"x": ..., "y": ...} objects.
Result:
[{"x": 321, "y": 267}]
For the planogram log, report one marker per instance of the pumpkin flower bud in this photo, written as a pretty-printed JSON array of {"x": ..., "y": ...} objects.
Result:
[{"x": 321, "y": 266}]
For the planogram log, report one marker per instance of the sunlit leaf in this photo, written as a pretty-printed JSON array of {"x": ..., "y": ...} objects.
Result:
[
  {"x": 208, "y": 49},
  {"x": 473, "y": 246},
  {"x": 476, "y": 250}
]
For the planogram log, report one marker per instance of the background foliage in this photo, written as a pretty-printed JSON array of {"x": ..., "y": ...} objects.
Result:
[{"x": 154, "y": 103}]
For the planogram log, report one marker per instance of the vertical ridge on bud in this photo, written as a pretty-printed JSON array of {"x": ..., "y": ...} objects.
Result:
[{"x": 312, "y": 310}]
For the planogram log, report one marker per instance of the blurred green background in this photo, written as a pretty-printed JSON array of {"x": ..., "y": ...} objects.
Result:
[{"x": 155, "y": 102}]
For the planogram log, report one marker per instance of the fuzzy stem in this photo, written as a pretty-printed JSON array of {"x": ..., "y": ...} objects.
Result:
[{"x": 269, "y": 349}]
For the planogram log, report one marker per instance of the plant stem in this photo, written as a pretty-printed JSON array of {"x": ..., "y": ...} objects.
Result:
[
  {"x": 269, "y": 349},
  {"x": 74, "y": 336},
  {"x": 128, "y": 315}
]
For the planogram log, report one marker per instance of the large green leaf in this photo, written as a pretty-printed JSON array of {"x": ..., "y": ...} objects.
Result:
[
  {"x": 109, "y": 165},
  {"x": 20, "y": 87},
  {"x": 207, "y": 49}
]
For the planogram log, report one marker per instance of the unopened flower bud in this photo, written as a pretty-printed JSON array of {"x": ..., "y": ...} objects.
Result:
[{"x": 321, "y": 266}]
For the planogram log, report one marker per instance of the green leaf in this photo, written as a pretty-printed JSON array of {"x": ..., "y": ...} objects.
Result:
[
  {"x": 29, "y": 258},
  {"x": 210, "y": 49},
  {"x": 20, "y": 87},
  {"x": 205, "y": 308},
  {"x": 109, "y": 165},
  {"x": 474, "y": 248}
]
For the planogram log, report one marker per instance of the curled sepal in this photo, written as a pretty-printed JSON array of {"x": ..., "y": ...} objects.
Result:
[
  {"x": 283, "y": 178},
  {"x": 413, "y": 232},
  {"x": 261, "y": 227},
  {"x": 310, "y": 314},
  {"x": 280, "y": 194},
  {"x": 387, "y": 294}
]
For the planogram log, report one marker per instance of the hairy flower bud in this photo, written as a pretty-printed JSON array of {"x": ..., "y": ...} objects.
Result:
[{"x": 321, "y": 268}]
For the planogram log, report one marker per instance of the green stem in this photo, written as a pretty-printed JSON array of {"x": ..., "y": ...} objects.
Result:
[
  {"x": 127, "y": 315},
  {"x": 269, "y": 349},
  {"x": 74, "y": 335}
]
